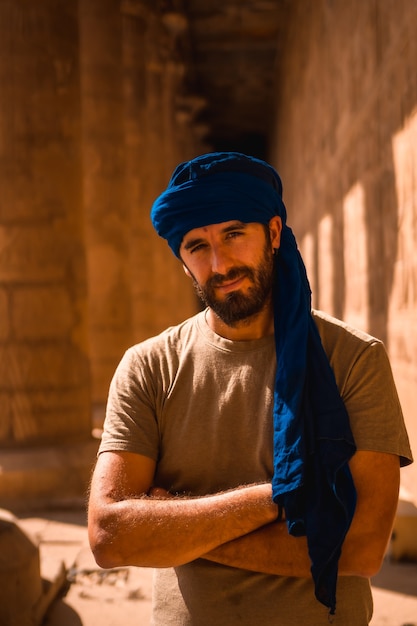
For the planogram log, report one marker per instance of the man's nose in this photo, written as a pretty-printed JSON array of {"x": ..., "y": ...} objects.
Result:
[{"x": 220, "y": 261}]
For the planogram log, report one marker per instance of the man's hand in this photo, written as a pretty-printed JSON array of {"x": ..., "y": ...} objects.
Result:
[{"x": 159, "y": 493}]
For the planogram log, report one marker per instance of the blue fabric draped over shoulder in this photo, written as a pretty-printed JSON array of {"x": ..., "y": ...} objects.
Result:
[{"x": 313, "y": 441}]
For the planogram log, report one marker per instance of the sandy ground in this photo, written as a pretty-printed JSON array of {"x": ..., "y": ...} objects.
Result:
[{"x": 89, "y": 596}]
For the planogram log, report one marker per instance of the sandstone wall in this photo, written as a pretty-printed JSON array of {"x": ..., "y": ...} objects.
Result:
[
  {"x": 131, "y": 83},
  {"x": 44, "y": 369},
  {"x": 345, "y": 143},
  {"x": 93, "y": 119}
]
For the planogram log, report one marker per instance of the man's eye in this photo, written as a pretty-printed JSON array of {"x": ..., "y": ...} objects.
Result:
[
  {"x": 233, "y": 234},
  {"x": 197, "y": 248}
]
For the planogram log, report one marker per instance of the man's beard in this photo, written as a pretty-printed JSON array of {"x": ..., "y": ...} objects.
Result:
[{"x": 238, "y": 307}]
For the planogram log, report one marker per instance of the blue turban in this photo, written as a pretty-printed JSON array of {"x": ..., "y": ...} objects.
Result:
[
  {"x": 313, "y": 441},
  {"x": 216, "y": 188}
]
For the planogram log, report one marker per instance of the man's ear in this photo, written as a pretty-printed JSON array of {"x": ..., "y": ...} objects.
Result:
[
  {"x": 186, "y": 270},
  {"x": 275, "y": 230}
]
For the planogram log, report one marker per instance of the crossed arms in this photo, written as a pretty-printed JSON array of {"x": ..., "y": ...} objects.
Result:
[{"x": 130, "y": 523}]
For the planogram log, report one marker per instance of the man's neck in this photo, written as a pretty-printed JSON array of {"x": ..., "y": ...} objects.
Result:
[{"x": 256, "y": 327}]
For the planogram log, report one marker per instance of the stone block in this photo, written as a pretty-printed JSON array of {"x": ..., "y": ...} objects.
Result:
[
  {"x": 45, "y": 393},
  {"x": 46, "y": 476},
  {"x": 48, "y": 365},
  {"x": 42, "y": 312},
  {"x": 47, "y": 416},
  {"x": 4, "y": 315},
  {"x": 36, "y": 253},
  {"x": 5, "y": 416}
]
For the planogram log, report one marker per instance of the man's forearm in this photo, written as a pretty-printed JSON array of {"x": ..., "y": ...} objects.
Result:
[
  {"x": 168, "y": 532},
  {"x": 269, "y": 550},
  {"x": 272, "y": 550}
]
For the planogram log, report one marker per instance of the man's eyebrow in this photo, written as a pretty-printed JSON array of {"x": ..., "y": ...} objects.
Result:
[
  {"x": 192, "y": 243},
  {"x": 197, "y": 240},
  {"x": 237, "y": 224}
]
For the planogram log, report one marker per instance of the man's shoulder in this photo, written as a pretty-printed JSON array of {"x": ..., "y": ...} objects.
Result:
[
  {"x": 172, "y": 337},
  {"x": 342, "y": 341},
  {"x": 329, "y": 325}
]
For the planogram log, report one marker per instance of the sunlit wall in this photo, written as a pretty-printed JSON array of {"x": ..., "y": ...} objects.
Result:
[{"x": 345, "y": 144}]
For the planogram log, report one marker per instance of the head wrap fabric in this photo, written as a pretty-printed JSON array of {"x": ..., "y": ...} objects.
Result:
[
  {"x": 205, "y": 190},
  {"x": 313, "y": 441}
]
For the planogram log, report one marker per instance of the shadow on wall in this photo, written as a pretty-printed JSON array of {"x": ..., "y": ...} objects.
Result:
[{"x": 347, "y": 127}]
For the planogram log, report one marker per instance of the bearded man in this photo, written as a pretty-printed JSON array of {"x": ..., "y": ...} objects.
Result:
[{"x": 251, "y": 454}]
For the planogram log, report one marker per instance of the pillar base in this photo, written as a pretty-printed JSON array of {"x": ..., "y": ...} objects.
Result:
[{"x": 42, "y": 477}]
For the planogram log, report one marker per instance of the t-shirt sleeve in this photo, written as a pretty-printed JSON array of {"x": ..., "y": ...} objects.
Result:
[
  {"x": 371, "y": 399},
  {"x": 130, "y": 424}
]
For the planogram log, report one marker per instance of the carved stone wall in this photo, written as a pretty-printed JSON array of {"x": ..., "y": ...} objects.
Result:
[
  {"x": 89, "y": 137},
  {"x": 131, "y": 80},
  {"x": 44, "y": 368},
  {"x": 345, "y": 144}
]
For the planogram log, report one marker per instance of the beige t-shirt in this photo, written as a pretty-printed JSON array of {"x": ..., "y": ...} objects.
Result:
[{"x": 201, "y": 406}]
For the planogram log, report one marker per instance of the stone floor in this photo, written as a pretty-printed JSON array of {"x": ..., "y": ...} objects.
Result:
[{"x": 90, "y": 596}]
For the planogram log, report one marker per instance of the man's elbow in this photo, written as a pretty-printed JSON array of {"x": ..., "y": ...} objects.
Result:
[
  {"x": 104, "y": 546},
  {"x": 104, "y": 557},
  {"x": 363, "y": 561},
  {"x": 110, "y": 549},
  {"x": 106, "y": 533},
  {"x": 372, "y": 561},
  {"x": 369, "y": 567}
]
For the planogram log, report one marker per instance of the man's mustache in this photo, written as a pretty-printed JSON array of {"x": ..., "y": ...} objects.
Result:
[{"x": 217, "y": 280}]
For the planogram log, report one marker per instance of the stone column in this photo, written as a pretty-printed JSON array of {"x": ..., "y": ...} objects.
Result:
[
  {"x": 172, "y": 297},
  {"x": 154, "y": 144},
  {"x": 44, "y": 367},
  {"x": 191, "y": 135},
  {"x": 137, "y": 14},
  {"x": 106, "y": 206}
]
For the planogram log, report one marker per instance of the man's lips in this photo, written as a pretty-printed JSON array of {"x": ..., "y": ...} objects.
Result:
[{"x": 230, "y": 285}]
